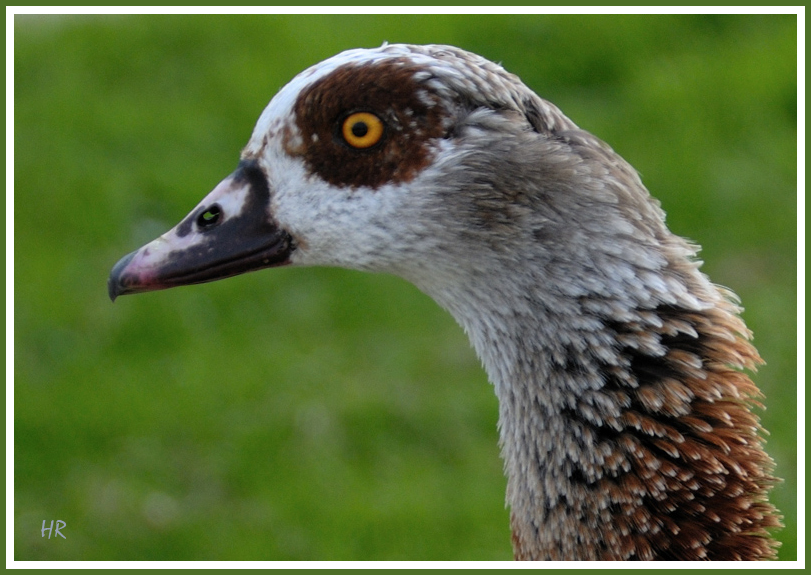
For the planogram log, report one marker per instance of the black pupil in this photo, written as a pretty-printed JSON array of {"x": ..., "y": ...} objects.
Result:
[
  {"x": 209, "y": 217},
  {"x": 359, "y": 129}
]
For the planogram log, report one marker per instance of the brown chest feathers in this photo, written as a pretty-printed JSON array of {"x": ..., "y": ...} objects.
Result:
[{"x": 681, "y": 472}]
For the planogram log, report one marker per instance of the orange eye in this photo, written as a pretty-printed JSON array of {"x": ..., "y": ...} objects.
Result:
[{"x": 362, "y": 130}]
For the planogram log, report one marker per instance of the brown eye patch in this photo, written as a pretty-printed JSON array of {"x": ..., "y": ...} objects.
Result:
[{"x": 410, "y": 115}]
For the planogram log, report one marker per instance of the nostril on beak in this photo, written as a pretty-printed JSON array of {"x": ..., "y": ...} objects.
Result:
[{"x": 209, "y": 217}]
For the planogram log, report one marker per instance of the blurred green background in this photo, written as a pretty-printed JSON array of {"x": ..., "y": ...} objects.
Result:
[{"x": 321, "y": 413}]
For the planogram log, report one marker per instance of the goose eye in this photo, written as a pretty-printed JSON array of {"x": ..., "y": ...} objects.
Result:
[{"x": 362, "y": 130}]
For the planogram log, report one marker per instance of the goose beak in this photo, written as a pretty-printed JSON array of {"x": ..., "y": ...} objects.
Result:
[{"x": 229, "y": 233}]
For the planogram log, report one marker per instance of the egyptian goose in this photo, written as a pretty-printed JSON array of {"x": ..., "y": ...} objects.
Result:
[{"x": 625, "y": 422}]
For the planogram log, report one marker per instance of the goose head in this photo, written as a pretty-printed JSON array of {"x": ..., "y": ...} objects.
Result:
[
  {"x": 427, "y": 162},
  {"x": 625, "y": 423}
]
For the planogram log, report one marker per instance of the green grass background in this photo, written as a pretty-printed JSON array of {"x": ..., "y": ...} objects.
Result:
[{"x": 321, "y": 413}]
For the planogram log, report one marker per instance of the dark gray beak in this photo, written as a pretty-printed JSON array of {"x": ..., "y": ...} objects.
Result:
[{"x": 231, "y": 232}]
